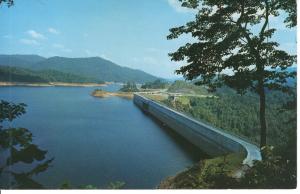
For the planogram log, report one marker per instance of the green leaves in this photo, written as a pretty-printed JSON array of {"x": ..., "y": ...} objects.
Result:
[
  {"x": 272, "y": 172},
  {"x": 289, "y": 6},
  {"x": 18, "y": 143},
  {"x": 15, "y": 136},
  {"x": 41, "y": 167},
  {"x": 26, "y": 155},
  {"x": 23, "y": 181},
  {"x": 10, "y": 111},
  {"x": 116, "y": 185},
  {"x": 231, "y": 47},
  {"x": 225, "y": 40},
  {"x": 129, "y": 87}
]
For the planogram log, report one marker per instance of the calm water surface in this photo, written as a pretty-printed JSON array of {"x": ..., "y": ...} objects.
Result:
[{"x": 97, "y": 141}]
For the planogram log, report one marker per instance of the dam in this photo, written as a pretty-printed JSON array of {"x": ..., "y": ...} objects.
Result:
[{"x": 212, "y": 141}]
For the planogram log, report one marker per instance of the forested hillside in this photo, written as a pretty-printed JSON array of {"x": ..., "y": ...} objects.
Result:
[
  {"x": 94, "y": 68},
  {"x": 238, "y": 114},
  {"x": 17, "y": 74}
]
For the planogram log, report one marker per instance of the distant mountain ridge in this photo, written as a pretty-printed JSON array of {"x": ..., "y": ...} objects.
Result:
[
  {"x": 94, "y": 68},
  {"x": 19, "y": 74}
]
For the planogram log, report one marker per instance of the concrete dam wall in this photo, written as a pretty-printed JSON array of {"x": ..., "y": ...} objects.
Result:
[{"x": 212, "y": 141}]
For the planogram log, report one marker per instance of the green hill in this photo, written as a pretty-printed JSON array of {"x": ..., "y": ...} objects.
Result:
[
  {"x": 19, "y": 74},
  {"x": 185, "y": 87},
  {"x": 94, "y": 68},
  {"x": 14, "y": 74}
]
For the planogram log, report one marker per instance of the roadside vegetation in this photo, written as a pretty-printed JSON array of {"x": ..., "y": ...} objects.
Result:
[
  {"x": 274, "y": 172},
  {"x": 129, "y": 87},
  {"x": 236, "y": 37},
  {"x": 238, "y": 115},
  {"x": 157, "y": 84}
]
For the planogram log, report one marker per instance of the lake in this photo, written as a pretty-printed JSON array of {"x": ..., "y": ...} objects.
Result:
[{"x": 96, "y": 141}]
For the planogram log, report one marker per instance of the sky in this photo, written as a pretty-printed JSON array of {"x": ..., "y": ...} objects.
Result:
[{"x": 130, "y": 33}]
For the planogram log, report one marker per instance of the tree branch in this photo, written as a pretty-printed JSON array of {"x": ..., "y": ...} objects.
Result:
[{"x": 261, "y": 34}]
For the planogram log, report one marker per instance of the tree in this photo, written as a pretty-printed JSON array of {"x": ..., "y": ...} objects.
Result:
[
  {"x": 234, "y": 36},
  {"x": 156, "y": 84},
  {"x": 129, "y": 87},
  {"x": 17, "y": 147},
  {"x": 290, "y": 7}
]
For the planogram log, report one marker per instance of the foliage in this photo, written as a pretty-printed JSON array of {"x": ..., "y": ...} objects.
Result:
[
  {"x": 18, "y": 74},
  {"x": 289, "y": 6},
  {"x": 225, "y": 40},
  {"x": 94, "y": 68},
  {"x": 17, "y": 143},
  {"x": 209, "y": 173},
  {"x": 111, "y": 185},
  {"x": 215, "y": 176},
  {"x": 116, "y": 185},
  {"x": 239, "y": 114},
  {"x": 12, "y": 74},
  {"x": 187, "y": 88},
  {"x": 65, "y": 185},
  {"x": 157, "y": 84},
  {"x": 129, "y": 87},
  {"x": 274, "y": 171}
]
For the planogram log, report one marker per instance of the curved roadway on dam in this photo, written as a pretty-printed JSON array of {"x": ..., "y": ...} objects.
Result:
[{"x": 213, "y": 141}]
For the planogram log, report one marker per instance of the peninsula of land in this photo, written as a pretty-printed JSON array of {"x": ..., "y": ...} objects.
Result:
[{"x": 103, "y": 94}]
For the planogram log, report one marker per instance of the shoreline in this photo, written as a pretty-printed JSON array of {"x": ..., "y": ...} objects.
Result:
[{"x": 52, "y": 84}]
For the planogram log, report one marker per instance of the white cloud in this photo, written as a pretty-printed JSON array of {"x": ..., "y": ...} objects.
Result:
[
  {"x": 29, "y": 41},
  {"x": 53, "y": 31},
  {"x": 35, "y": 34},
  {"x": 176, "y": 5}
]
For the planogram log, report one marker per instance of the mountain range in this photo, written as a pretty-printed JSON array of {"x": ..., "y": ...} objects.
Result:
[{"x": 91, "y": 69}]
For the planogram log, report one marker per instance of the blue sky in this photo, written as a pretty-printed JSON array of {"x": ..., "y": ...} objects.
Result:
[{"x": 130, "y": 33}]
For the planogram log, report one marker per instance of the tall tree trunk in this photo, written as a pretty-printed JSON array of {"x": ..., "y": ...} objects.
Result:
[{"x": 262, "y": 114}]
